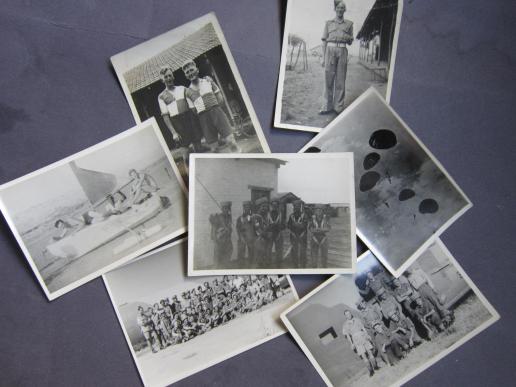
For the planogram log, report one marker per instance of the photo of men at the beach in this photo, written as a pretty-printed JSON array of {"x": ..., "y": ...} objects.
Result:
[{"x": 97, "y": 209}]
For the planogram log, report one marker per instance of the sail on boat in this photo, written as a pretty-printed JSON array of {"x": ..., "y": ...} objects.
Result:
[{"x": 97, "y": 186}]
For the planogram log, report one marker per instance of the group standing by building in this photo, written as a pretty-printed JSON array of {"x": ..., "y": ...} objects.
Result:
[{"x": 265, "y": 238}]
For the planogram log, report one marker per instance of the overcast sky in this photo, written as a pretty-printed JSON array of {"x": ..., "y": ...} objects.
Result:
[
  {"x": 307, "y": 18},
  {"x": 152, "y": 278},
  {"x": 316, "y": 180},
  {"x": 138, "y": 151}
]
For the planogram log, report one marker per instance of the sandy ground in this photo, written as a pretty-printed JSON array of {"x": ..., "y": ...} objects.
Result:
[
  {"x": 179, "y": 360},
  {"x": 302, "y": 92},
  {"x": 468, "y": 316},
  {"x": 60, "y": 273}
]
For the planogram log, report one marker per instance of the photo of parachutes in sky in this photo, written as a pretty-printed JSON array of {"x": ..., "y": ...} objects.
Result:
[{"x": 404, "y": 197}]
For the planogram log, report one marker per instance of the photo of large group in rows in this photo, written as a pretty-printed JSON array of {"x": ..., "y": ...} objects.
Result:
[
  {"x": 185, "y": 80},
  {"x": 371, "y": 327},
  {"x": 272, "y": 212},
  {"x": 180, "y": 318}
]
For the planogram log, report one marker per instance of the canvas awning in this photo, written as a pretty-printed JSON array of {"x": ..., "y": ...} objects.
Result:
[{"x": 189, "y": 48}]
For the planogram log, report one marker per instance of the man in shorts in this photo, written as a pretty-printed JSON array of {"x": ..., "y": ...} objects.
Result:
[
  {"x": 207, "y": 99},
  {"x": 360, "y": 341}
]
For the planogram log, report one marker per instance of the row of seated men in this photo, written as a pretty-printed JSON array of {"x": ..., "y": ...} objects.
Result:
[
  {"x": 397, "y": 314},
  {"x": 205, "y": 307},
  {"x": 260, "y": 239}
]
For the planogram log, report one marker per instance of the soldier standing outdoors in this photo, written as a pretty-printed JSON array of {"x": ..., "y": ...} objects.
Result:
[
  {"x": 275, "y": 228},
  {"x": 262, "y": 234},
  {"x": 297, "y": 226},
  {"x": 319, "y": 227},
  {"x": 360, "y": 341},
  {"x": 221, "y": 230},
  {"x": 246, "y": 234},
  {"x": 207, "y": 99},
  {"x": 338, "y": 33},
  {"x": 177, "y": 113}
]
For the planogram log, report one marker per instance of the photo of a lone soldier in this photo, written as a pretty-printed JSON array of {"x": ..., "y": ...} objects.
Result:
[{"x": 337, "y": 34}]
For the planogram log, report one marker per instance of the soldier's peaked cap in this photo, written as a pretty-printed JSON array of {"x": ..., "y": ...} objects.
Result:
[
  {"x": 246, "y": 203},
  {"x": 297, "y": 201},
  {"x": 225, "y": 204}
]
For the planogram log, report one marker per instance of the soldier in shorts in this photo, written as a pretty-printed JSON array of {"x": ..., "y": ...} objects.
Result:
[
  {"x": 147, "y": 328},
  {"x": 360, "y": 341},
  {"x": 207, "y": 99}
]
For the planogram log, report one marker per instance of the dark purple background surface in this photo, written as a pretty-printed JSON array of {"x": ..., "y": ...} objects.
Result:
[{"x": 455, "y": 85}]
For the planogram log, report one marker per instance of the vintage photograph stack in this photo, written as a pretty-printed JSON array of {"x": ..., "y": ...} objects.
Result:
[{"x": 195, "y": 226}]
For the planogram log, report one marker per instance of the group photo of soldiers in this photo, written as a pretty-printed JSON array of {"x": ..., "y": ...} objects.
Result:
[
  {"x": 266, "y": 239},
  {"x": 394, "y": 316},
  {"x": 180, "y": 318}
]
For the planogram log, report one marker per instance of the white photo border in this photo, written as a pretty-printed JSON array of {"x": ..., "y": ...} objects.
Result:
[
  {"x": 494, "y": 317},
  {"x": 150, "y": 123},
  {"x": 191, "y": 215},
  {"x": 281, "y": 78},
  {"x": 208, "y": 18},
  {"x": 435, "y": 236},
  {"x": 208, "y": 364}
]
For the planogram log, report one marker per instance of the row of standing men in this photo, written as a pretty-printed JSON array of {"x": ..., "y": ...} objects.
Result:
[{"x": 260, "y": 237}]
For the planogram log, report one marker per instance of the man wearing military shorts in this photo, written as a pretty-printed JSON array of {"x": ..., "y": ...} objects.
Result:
[
  {"x": 338, "y": 33},
  {"x": 207, "y": 99},
  {"x": 360, "y": 341}
]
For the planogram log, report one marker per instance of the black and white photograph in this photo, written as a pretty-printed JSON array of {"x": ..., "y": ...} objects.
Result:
[
  {"x": 333, "y": 51},
  {"x": 187, "y": 79},
  {"x": 272, "y": 214},
  {"x": 404, "y": 197},
  {"x": 86, "y": 214},
  {"x": 370, "y": 328},
  {"x": 177, "y": 325}
]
